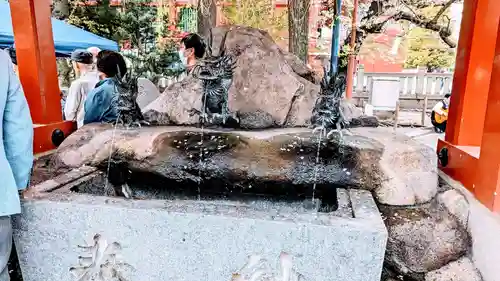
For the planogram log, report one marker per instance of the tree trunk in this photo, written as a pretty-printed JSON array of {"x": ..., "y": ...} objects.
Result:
[
  {"x": 61, "y": 9},
  {"x": 207, "y": 16},
  {"x": 298, "y": 28}
]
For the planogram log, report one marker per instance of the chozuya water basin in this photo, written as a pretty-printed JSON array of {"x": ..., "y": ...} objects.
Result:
[{"x": 65, "y": 235}]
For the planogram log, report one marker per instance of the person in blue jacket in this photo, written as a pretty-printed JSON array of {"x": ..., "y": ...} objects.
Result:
[
  {"x": 101, "y": 103},
  {"x": 16, "y": 153}
]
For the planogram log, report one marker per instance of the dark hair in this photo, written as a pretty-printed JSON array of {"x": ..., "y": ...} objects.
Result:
[
  {"x": 193, "y": 40},
  {"x": 109, "y": 62},
  {"x": 447, "y": 96}
]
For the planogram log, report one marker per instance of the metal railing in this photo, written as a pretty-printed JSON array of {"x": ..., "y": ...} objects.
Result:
[{"x": 415, "y": 84}]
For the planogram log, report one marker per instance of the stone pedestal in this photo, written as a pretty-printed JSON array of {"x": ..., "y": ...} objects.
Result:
[{"x": 185, "y": 240}]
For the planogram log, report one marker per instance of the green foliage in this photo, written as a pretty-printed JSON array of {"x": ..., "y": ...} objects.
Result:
[
  {"x": 426, "y": 50},
  {"x": 256, "y": 13},
  {"x": 100, "y": 19},
  {"x": 160, "y": 62},
  {"x": 143, "y": 25},
  {"x": 138, "y": 23}
]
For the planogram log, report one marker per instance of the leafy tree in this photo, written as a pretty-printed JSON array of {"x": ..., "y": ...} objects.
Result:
[
  {"x": 138, "y": 23},
  {"x": 143, "y": 25},
  {"x": 426, "y": 50},
  {"x": 146, "y": 27},
  {"x": 256, "y": 13},
  {"x": 100, "y": 18}
]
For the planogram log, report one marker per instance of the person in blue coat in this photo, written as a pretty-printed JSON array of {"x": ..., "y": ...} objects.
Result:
[
  {"x": 16, "y": 153},
  {"x": 101, "y": 103}
]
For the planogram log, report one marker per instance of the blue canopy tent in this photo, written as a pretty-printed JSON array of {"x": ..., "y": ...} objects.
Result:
[{"x": 67, "y": 37}]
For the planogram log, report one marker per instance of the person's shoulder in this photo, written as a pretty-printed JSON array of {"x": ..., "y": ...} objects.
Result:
[
  {"x": 107, "y": 86},
  {"x": 76, "y": 83}
]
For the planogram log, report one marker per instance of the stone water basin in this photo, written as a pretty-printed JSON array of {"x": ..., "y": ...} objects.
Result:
[
  {"x": 183, "y": 238},
  {"x": 202, "y": 212}
]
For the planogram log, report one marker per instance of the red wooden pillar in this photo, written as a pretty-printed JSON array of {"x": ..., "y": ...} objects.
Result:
[
  {"x": 475, "y": 51},
  {"x": 31, "y": 20},
  {"x": 473, "y": 130},
  {"x": 487, "y": 183}
]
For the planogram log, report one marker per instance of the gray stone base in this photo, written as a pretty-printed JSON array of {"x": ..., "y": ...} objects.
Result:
[{"x": 199, "y": 240}]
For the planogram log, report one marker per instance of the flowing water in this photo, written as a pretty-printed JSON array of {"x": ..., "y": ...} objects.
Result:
[
  {"x": 111, "y": 151},
  {"x": 201, "y": 163},
  {"x": 316, "y": 164}
]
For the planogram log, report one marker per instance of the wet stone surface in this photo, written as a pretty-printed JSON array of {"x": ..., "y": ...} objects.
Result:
[{"x": 292, "y": 164}]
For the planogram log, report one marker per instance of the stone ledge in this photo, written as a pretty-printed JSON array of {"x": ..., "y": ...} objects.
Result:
[{"x": 196, "y": 240}]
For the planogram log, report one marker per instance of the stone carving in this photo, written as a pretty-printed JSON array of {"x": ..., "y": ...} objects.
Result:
[
  {"x": 328, "y": 115},
  {"x": 100, "y": 262},
  {"x": 258, "y": 269},
  {"x": 129, "y": 112},
  {"x": 216, "y": 73}
]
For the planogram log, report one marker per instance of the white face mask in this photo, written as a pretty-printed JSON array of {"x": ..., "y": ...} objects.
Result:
[{"x": 183, "y": 58}]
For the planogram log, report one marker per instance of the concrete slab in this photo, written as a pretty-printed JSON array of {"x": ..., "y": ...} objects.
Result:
[{"x": 185, "y": 240}]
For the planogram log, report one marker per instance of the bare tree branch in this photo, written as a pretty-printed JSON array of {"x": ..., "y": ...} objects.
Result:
[
  {"x": 443, "y": 9},
  {"x": 375, "y": 24},
  {"x": 443, "y": 31}
]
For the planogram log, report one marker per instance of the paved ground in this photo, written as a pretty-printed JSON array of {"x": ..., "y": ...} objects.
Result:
[{"x": 425, "y": 134}]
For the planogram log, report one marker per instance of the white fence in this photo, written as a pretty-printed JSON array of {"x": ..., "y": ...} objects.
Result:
[{"x": 412, "y": 84}]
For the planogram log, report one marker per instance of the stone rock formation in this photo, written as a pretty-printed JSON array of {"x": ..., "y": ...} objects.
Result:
[
  {"x": 460, "y": 270},
  {"x": 270, "y": 88},
  {"x": 456, "y": 204},
  {"x": 408, "y": 168},
  {"x": 239, "y": 158},
  {"x": 367, "y": 159},
  {"x": 422, "y": 239}
]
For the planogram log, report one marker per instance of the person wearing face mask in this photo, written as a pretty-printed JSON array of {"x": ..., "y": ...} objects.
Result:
[
  {"x": 191, "y": 48},
  {"x": 82, "y": 61}
]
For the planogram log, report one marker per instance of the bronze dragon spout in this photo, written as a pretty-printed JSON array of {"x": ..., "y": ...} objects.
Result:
[{"x": 216, "y": 74}]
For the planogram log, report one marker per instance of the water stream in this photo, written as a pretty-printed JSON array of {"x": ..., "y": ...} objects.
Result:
[
  {"x": 201, "y": 163},
  {"x": 111, "y": 151},
  {"x": 316, "y": 164}
]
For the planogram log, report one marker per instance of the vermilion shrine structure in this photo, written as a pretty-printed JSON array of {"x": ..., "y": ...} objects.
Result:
[
  {"x": 473, "y": 131},
  {"x": 473, "y": 135}
]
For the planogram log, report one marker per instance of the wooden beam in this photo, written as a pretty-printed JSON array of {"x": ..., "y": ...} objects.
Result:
[{"x": 31, "y": 21}]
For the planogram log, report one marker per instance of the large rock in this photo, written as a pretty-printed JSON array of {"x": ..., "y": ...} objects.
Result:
[
  {"x": 422, "y": 239},
  {"x": 239, "y": 159},
  {"x": 408, "y": 169},
  {"x": 460, "y": 270},
  {"x": 456, "y": 204},
  {"x": 368, "y": 158},
  {"x": 270, "y": 87}
]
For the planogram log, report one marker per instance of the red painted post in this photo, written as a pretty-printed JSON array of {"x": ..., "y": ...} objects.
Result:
[
  {"x": 31, "y": 21},
  {"x": 487, "y": 183},
  {"x": 475, "y": 51}
]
